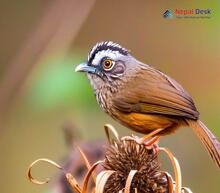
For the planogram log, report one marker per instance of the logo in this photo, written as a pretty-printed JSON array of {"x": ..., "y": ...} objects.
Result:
[
  {"x": 188, "y": 13},
  {"x": 168, "y": 14}
]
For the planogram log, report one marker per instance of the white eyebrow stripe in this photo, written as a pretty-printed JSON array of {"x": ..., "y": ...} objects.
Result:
[
  {"x": 106, "y": 43},
  {"x": 114, "y": 55}
]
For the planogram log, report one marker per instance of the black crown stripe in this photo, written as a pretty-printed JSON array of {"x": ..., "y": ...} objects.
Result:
[{"x": 106, "y": 46}]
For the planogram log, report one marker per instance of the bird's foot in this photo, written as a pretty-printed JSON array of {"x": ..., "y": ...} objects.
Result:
[
  {"x": 151, "y": 143},
  {"x": 131, "y": 138}
]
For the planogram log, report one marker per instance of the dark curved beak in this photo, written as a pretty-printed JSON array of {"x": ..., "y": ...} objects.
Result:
[{"x": 84, "y": 67}]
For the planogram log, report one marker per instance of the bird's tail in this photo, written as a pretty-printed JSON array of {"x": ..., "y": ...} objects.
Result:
[{"x": 208, "y": 139}]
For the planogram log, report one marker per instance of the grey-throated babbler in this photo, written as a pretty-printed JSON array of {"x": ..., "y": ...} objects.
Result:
[{"x": 141, "y": 97}]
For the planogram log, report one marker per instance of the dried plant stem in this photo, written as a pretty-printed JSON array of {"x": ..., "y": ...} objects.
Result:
[
  {"x": 86, "y": 161},
  {"x": 73, "y": 183}
]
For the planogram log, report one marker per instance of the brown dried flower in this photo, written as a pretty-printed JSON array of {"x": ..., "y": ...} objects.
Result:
[
  {"x": 127, "y": 155},
  {"x": 129, "y": 167}
]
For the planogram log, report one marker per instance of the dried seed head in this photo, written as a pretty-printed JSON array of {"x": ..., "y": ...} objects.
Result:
[
  {"x": 127, "y": 155},
  {"x": 129, "y": 168}
]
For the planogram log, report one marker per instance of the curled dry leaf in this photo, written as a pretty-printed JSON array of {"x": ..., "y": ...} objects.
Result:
[
  {"x": 33, "y": 180},
  {"x": 176, "y": 167},
  {"x": 102, "y": 179},
  {"x": 86, "y": 161},
  {"x": 170, "y": 182},
  {"x": 129, "y": 181},
  {"x": 73, "y": 183},
  {"x": 108, "y": 128},
  {"x": 88, "y": 175},
  {"x": 71, "y": 180}
]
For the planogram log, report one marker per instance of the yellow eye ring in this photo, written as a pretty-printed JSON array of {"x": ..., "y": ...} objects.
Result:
[{"x": 107, "y": 64}]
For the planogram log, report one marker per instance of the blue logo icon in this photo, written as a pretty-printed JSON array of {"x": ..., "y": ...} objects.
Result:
[{"x": 168, "y": 14}]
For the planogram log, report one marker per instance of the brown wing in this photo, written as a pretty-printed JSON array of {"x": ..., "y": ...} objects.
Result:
[{"x": 152, "y": 92}]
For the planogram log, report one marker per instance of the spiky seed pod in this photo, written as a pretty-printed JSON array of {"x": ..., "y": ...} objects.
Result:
[{"x": 127, "y": 155}]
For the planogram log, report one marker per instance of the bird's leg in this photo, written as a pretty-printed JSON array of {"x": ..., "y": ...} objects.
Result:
[
  {"x": 151, "y": 144},
  {"x": 152, "y": 141},
  {"x": 147, "y": 140},
  {"x": 152, "y": 134}
]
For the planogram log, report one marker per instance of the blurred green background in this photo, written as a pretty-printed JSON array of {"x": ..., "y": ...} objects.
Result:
[{"x": 52, "y": 94}]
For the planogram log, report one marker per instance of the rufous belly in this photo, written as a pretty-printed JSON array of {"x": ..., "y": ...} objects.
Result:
[{"x": 146, "y": 123}]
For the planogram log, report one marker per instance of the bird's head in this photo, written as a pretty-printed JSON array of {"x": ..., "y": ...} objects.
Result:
[{"x": 107, "y": 64}]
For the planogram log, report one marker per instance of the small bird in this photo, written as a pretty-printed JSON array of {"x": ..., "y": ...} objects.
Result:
[{"x": 141, "y": 97}]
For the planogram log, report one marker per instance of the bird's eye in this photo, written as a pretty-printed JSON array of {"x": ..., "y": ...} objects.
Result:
[{"x": 107, "y": 64}]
